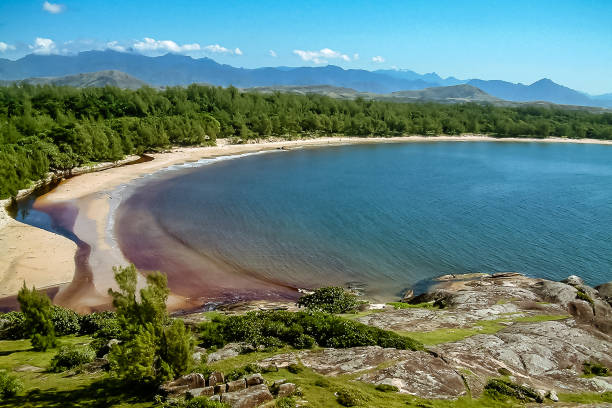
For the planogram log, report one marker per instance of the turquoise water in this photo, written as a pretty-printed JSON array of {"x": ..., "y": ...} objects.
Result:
[{"x": 383, "y": 215}]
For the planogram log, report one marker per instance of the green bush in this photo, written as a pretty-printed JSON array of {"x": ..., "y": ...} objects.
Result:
[
  {"x": 386, "y": 388},
  {"x": 595, "y": 369},
  {"x": 280, "y": 328},
  {"x": 285, "y": 402},
  {"x": 500, "y": 389},
  {"x": 9, "y": 385},
  {"x": 36, "y": 308},
  {"x": 582, "y": 295},
  {"x": 350, "y": 398},
  {"x": 331, "y": 299},
  {"x": 294, "y": 368},
  {"x": 99, "y": 322},
  {"x": 322, "y": 382},
  {"x": 69, "y": 357},
  {"x": 12, "y": 326},
  {"x": 65, "y": 321},
  {"x": 204, "y": 402}
]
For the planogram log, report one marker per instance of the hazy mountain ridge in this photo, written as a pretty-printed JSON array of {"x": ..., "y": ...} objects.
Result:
[
  {"x": 172, "y": 69},
  {"x": 86, "y": 80}
]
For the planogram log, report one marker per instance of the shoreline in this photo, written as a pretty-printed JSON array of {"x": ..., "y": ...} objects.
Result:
[{"x": 45, "y": 259}]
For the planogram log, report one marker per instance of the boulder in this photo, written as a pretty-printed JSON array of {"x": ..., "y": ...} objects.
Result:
[
  {"x": 230, "y": 350},
  {"x": 581, "y": 310},
  {"x": 236, "y": 385},
  {"x": 254, "y": 379},
  {"x": 248, "y": 398},
  {"x": 286, "y": 390},
  {"x": 201, "y": 392},
  {"x": 556, "y": 292},
  {"x": 220, "y": 388},
  {"x": 605, "y": 290},
  {"x": 573, "y": 280},
  {"x": 215, "y": 378},
  {"x": 184, "y": 383}
]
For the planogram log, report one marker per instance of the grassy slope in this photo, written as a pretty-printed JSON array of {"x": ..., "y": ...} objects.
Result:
[{"x": 44, "y": 389}]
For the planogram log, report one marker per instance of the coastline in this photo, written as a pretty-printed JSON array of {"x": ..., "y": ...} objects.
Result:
[{"x": 44, "y": 259}]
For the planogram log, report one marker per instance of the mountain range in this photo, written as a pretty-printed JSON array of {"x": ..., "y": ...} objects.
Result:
[{"x": 173, "y": 69}]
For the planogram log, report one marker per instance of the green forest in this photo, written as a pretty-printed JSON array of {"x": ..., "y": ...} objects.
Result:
[{"x": 48, "y": 128}]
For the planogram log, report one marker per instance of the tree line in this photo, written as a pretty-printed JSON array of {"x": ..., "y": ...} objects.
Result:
[{"x": 50, "y": 128}]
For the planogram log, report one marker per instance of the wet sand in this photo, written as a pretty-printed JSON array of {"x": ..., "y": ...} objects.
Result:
[{"x": 48, "y": 260}]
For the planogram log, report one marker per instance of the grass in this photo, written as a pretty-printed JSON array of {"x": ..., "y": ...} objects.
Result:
[
  {"x": 45, "y": 389},
  {"x": 448, "y": 335},
  {"x": 243, "y": 359},
  {"x": 423, "y": 305},
  {"x": 587, "y": 397}
]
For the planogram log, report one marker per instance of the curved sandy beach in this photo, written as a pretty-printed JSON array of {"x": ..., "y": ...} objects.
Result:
[{"x": 83, "y": 273}]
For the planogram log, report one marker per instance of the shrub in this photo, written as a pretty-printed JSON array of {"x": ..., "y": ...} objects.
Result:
[
  {"x": 331, "y": 299},
  {"x": 69, "y": 357},
  {"x": 65, "y": 321},
  {"x": 322, "y": 382},
  {"x": 9, "y": 385},
  {"x": 294, "y": 368},
  {"x": 582, "y": 295},
  {"x": 300, "y": 329},
  {"x": 99, "y": 322},
  {"x": 285, "y": 402},
  {"x": 595, "y": 369},
  {"x": 386, "y": 388},
  {"x": 36, "y": 308},
  {"x": 504, "y": 371},
  {"x": 350, "y": 398},
  {"x": 12, "y": 326},
  {"x": 503, "y": 389},
  {"x": 203, "y": 402}
]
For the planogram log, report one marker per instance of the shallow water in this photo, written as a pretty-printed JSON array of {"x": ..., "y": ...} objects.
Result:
[{"x": 383, "y": 215}]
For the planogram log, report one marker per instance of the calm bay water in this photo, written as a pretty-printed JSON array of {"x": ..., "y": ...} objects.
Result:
[{"x": 384, "y": 215}]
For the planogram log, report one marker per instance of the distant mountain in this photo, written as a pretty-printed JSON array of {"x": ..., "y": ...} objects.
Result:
[
  {"x": 448, "y": 94},
  {"x": 172, "y": 69},
  {"x": 88, "y": 80},
  {"x": 431, "y": 78}
]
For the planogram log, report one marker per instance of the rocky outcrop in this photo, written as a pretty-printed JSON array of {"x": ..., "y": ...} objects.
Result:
[{"x": 248, "y": 398}]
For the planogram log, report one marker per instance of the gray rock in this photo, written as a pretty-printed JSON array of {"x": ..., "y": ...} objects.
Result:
[
  {"x": 236, "y": 385},
  {"x": 254, "y": 379},
  {"x": 230, "y": 350},
  {"x": 573, "y": 280},
  {"x": 248, "y": 398},
  {"x": 556, "y": 292},
  {"x": 552, "y": 395},
  {"x": 190, "y": 381},
  {"x": 286, "y": 390},
  {"x": 605, "y": 290},
  {"x": 201, "y": 392},
  {"x": 215, "y": 378},
  {"x": 220, "y": 388}
]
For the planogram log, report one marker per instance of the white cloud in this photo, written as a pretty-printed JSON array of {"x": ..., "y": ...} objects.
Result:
[
  {"x": 6, "y": 47},
  {"x": 152, "y": 45},
  {"x": 355, "y": 57},
  {"x": 378, "y": 59},
  {"x": 272, "y": 53},
  {"x": 53, "y": 8},
  {"x": 43, "y": 46},
  {"x": 238, "y": 51},
  {"x": 217, "y": 49},
  {"x": 115, "y": 46},
  {"x": 321, "y": 56}
]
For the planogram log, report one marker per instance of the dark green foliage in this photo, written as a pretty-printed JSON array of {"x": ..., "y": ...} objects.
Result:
[
  {"x": 350, "y": 398},
  {"x": 294, "y": 368},
  {"x": 12, "y": 326},
  {"x": 386, "y": 388},
  {"x": 331, "y": 299},
  {"x": 500, "y": 389},
  {"x": 45, "y": 128},
  {"x": 322, "y": 382},
  {"x": 9, "y": 385},
  {"x": 99, "y": 321},
  {"x": 152, "y": 349},
  {"x": 242, "y": 372},
  {"x": 280, "y": 328},
  {"x": 36, "y": 308},
  {"x": 285, "y": 402},
  {"x": 595, "y": 369},
  {"x": 70, "y": 357},
  {"x": 196, "y": 402},
  {"x": 65, "y": 321}
]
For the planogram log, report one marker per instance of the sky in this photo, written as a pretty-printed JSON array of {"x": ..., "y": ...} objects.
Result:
[{"x": 567, "y": 41}]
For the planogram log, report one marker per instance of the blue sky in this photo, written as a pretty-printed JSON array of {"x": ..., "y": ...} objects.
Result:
[{"x": 569, "y": 42}]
